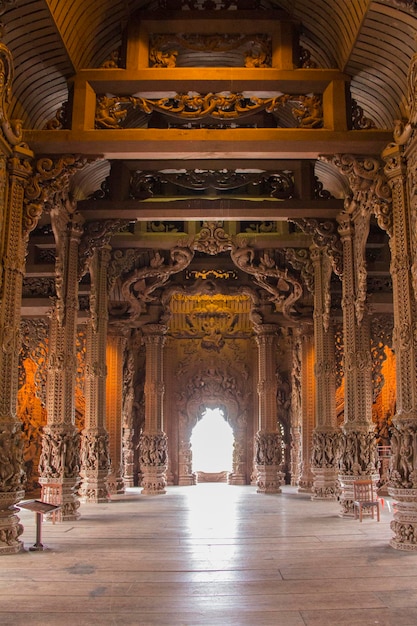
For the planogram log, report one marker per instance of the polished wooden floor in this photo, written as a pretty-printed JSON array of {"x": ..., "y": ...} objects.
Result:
[{"x": 212, "y": 555}]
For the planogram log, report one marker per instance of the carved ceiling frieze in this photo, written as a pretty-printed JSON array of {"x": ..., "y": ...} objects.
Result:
[
  {"x": 150, "y": 184},
  {"x": 119, "y": 111}
]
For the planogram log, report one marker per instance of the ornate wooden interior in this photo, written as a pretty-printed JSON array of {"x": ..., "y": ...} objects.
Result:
[{"x": 208, "y": 205}]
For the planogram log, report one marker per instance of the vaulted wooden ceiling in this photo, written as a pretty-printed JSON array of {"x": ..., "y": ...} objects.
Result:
[{"x": 51, "y": 40}]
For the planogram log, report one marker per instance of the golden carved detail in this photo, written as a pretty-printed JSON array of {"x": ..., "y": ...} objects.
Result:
[{"x": 307, "y": 110}]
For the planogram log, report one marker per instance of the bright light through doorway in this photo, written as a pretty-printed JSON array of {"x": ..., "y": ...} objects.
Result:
[{"x": 212, "y": 443}]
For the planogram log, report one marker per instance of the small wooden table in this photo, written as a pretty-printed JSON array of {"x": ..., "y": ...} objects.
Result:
[{"x": 39, "y": 508}]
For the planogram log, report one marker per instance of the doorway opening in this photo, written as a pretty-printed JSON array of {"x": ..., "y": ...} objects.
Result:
[{"x": 212, "y": 447}]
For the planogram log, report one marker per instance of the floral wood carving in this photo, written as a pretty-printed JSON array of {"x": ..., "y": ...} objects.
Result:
[
  {"x": 111, "y": 112},
  {"x": 47, "y": 186},
  {"x": 274, "y": 184},
  {"x": 212, "y": 239}
]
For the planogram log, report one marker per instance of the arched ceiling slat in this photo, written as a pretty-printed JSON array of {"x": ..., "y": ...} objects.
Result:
[{"x": 372, "y": 41}]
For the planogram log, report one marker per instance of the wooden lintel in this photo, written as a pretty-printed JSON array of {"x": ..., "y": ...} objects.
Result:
[
  {"x": 204, "y": 209},
  {"x": 185, "y": 144},
  {"x": 128, "y": 82}
]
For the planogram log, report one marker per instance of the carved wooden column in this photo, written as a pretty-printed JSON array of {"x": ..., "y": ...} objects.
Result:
[
  {"x": 358, "y": 448},
  {"x": 296, "y": 416},
  {"x": 153, "y": 442},
  {"x": 128, "y": 394},
  {"x": 59, "y": 464},
  {"x": 403, "y": 473},
  {"x": 116, "y": 345},
  {"x": 268, "y": 441},
  {"x": 170, "y": 423},
  {"x": 325, "y": 435},
  {"x": 308, "y": 408},
  {"x": 95, "y": 462},
  {"x": 14, "y": 172}
]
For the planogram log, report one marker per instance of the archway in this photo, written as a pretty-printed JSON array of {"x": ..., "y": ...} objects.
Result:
[{"x": 212, "y": 447}]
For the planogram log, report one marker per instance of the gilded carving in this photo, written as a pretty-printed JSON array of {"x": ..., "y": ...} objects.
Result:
[{"x": 306, "y": 110}]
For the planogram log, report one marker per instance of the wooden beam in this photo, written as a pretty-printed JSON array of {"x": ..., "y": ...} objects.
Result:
[
  {"x": 205, "y": 209},
  {"x": 185, "y": 144}
]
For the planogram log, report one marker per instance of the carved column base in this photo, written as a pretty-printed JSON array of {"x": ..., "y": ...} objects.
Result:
[
  {"x": 116, "y": 484},
  {"x": 154, "y": 480},
  {"x": 326, "y": 484},
  {"x": 236, "y": 478},
  {"x": 10, "y": 527},
  {"x": 269, "y": 478},
  {"x": 61, "y": 492},
  {"x": 346, "y": 491},
  {"x": 187, "y": 479},
  {"x": 404, "y": 524},
  {"x": 94, "y": 486}
]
